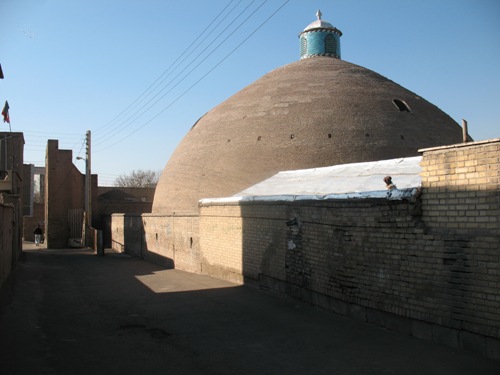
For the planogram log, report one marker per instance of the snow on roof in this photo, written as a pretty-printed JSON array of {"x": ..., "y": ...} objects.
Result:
[{"x": 356, "y": 180}]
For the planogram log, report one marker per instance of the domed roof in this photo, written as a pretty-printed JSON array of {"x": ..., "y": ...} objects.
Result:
[
  {"x": 314, "y": 112},
  {"x": 319, "y": 23}
]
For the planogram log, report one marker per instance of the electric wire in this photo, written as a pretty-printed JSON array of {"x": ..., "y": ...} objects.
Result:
[
  {"x": 199, "y": 80},
  {"x": 161, "y": 79},
  {"x": 151, "y": 87},
  {"x": 139, "y": 112},
  {"x": 150, "y": 106}
]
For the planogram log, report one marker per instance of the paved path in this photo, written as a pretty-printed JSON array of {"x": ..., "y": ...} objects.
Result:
[{"x": 73, "y": 312}]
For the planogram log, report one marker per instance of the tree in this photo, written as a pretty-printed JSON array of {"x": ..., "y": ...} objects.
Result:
[{"x": 138, "y": 178}]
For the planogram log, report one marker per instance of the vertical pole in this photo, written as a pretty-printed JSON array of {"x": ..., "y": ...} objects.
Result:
[
  {"x": 86, "y": 203},
  {"x": 464, "y": 130},
  {"x": 88, "y": 179}
]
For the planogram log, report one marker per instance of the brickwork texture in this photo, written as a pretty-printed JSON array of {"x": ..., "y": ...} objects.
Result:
[{"x": 170, "y": 240}]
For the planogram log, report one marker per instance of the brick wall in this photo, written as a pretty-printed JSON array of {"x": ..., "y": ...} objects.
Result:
[
  {"x": 170, "y": 240},
  {"x": 429, "y": 267},
  {"x": 462, "y": 188},
  {"x": 461, "y": 211},
  {"x": 64, "y": 190}
]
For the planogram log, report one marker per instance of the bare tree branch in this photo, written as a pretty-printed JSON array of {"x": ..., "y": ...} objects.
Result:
[{"x": 138, "y": 178}]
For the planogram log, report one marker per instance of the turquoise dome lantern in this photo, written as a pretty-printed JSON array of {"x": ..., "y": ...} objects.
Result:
[{"x": 320, "y": 38}]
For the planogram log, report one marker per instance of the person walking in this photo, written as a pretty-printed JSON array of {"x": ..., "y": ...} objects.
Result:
[{"x": 38, "y": 235}]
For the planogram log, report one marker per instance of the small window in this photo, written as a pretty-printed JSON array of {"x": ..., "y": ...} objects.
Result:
[
  {"x": 402, "y": 106},
  {"x": 330, "y": 45},
  {"x": 303, "y": 46}
]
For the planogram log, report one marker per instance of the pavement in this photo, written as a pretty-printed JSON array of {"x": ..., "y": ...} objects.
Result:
[{"x": 72, "y": 312}]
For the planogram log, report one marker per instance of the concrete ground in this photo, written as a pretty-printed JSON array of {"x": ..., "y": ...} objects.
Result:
[{"x": 73, "y": 312}]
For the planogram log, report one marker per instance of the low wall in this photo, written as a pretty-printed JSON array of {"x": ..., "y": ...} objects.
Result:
[
  {"x": 429, "y": 268},
  {"x": 170, "y": 240},
  {"x": 374, "y": 260},
  {"x": 6, "y": 239}
]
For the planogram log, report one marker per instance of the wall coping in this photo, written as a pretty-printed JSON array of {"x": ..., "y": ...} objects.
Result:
[
  {"x": 395, "y": 194},
  {"x": 460, "y": 145},
  {"x": 149, "y": 214}
]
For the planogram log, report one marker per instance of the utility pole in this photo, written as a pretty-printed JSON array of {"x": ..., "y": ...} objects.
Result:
[
  {"x": 87, "y": 190},
  {"x": 88, "y": 182}
]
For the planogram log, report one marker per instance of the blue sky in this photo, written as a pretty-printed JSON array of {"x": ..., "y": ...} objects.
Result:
[{"x": 73, "y": 66}]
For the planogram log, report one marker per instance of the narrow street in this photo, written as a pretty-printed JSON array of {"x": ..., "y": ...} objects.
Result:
[{"x": 73, "y": 312}]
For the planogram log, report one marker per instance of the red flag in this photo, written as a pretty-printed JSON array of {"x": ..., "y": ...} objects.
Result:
[{"x": 5, "y": 112}]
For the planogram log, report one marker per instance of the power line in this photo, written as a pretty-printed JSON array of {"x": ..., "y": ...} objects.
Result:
[
  {"x": 200, "y": 79},
  {"x": 143, "y": 95},
  {"x": 150, "y": 106}
]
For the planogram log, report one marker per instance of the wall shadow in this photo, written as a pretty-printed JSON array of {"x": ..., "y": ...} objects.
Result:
[
  {"x": 119, "y": 314},
  {"x": 421, "y": 267},
  {"x": 136, "y": 244}
]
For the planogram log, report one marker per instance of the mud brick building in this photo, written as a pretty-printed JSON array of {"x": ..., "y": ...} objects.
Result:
[{"x": 424, "y": 262}]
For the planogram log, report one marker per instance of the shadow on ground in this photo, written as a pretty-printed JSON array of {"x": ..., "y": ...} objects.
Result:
[{"x": 71, "y": 311}]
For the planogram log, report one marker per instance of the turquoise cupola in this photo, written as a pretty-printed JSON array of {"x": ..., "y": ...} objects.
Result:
[{"x": 320, "y": 38}]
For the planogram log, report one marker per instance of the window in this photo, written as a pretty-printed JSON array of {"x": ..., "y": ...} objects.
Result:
[
  {"x": 330, "y": 45},
  {"x": 402, "y": 106},
  {"x": 303, "y": 46}
]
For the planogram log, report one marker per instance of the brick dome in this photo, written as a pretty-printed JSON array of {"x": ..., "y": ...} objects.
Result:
[{"x": 315, "y": 112}]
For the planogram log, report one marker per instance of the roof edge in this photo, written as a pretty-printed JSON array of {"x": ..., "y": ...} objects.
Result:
[{"x": 394, "y": 194}]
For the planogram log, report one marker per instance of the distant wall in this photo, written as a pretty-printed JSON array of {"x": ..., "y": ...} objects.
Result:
[
  {"x": 165, "y": 239},
  {"x": 30, "y": 222},
  {"x": 6, "y": 240},
  {"x": 64, "y": 191},
  {"x": 143, "y": 194}
]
